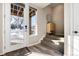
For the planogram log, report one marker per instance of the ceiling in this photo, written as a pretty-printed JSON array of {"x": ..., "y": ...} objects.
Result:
[
  {"x": 41, "y": 5},
  {"x": 54, "y": 4}
]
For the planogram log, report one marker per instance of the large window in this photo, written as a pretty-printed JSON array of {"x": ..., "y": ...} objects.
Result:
[{"x": 32, "y": 20}]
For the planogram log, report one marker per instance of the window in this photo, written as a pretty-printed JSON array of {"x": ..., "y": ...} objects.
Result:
[
  {"x": 32, "y": 20},
  {"x": 17, "y": 11}
]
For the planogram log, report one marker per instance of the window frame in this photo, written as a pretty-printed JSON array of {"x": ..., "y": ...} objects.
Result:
[{"x": 30, "y": 22}]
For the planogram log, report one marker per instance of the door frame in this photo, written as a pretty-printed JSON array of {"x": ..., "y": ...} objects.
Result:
[{"x": 68, "y": 29}]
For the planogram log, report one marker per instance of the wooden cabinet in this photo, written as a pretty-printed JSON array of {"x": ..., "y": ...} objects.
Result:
[{"x": 50, "y": 28}]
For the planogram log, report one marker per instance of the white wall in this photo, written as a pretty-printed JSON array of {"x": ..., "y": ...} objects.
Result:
[
  {"x": 58, "y": 18},
  {"x": 56, "y": 14},
  {"x": 48, "y": 12},
  {"x": 41, "y": 27},
  {"x": 1, "y": 28}
]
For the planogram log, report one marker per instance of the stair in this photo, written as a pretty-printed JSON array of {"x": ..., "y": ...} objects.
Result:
[
  {"x": 54, "y": 37},
  {"x": 48, "y": 41}
]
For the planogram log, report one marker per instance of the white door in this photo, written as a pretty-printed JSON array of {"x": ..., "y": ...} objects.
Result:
[
  {"x": 75, "y": 29},
  {"x": 16, "y": 26}
]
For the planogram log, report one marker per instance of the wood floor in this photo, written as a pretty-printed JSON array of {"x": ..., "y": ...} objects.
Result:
[
  {"x": 36, "y": 50},
  {"x": 41, "y": 50}
]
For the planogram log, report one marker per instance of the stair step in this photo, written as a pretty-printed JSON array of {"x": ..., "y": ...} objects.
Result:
[
  {"x": 58, "y": 35},
  {"x": 47, "y": 50},
  {"x": 59, "y": 47},
  {"x": 52, "y": 37},
  {"x": 50, "y": 44},
  {"x": 47, "y": 38}
]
